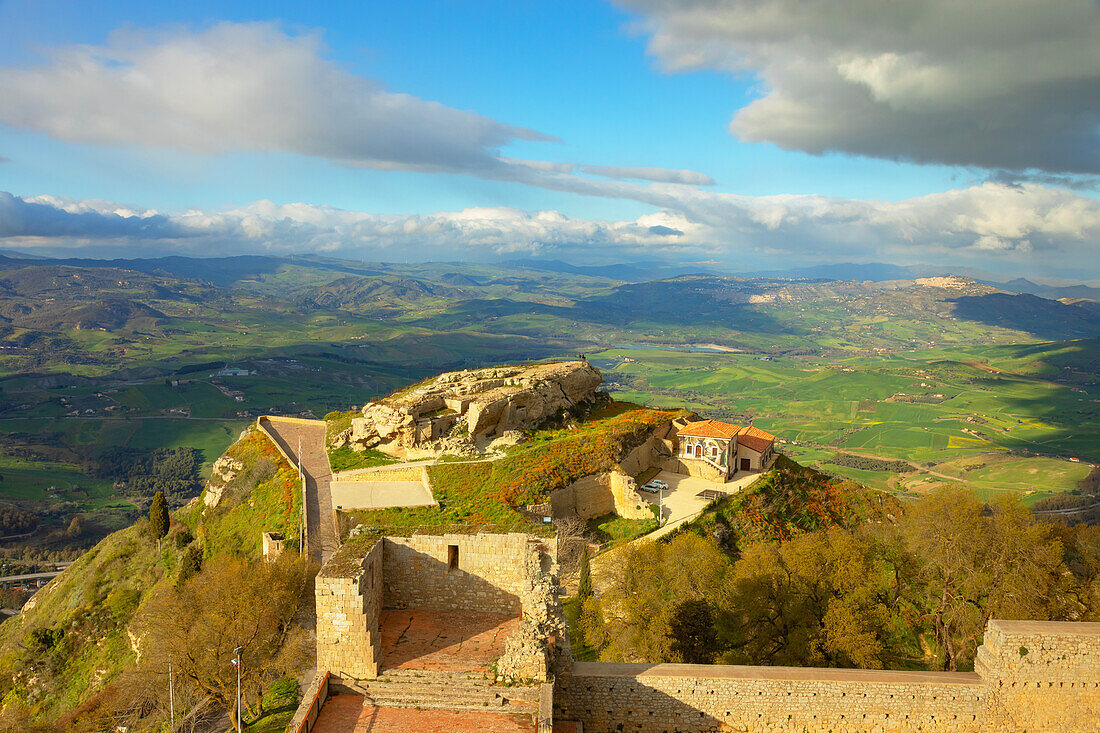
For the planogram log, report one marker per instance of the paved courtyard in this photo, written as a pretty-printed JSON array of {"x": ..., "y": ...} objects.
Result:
[
  {"x": 379, "y": 494},
  {"x": 348, "y": 714},
  {"x": 448, "y": 641},
  {"x": 681, "y": 502}
]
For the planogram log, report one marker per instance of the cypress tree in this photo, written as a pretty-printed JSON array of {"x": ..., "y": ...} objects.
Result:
[
  {"x": 158, "y": 516},
  {"x": 584, "y": 589}
]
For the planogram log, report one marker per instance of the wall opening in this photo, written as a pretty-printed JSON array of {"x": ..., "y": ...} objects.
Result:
[{"x": 452, "y": 557}]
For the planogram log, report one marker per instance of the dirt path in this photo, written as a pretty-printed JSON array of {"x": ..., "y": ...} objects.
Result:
[
  {"x": 916, "y": 466},
  {"x": 321, "y": 540}
]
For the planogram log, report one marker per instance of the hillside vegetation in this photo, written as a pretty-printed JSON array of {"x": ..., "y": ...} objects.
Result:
[
  {"x": 76, "y": 636},
  {"x": 837, "y": 581},
  {"x": 789, "y": 500},
  {"x": 494, "y": 493}
]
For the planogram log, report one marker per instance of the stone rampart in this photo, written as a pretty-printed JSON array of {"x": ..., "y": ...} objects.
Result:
[
  {"x": 456, "y": 572},
  {"x": 1053, "y": 686},
  {"x": 348, "y": 611},
  {"x": 703, "y": 698},
  {"x": 1044, "y": 675}
]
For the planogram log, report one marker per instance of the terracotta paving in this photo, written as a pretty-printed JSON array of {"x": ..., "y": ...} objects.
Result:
[
  {"x": 348, "y": 714},
  {"x": 448, "y": 641}
]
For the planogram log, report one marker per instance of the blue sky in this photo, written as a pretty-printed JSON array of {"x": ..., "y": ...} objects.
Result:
[{"x": 642, "y": 84}]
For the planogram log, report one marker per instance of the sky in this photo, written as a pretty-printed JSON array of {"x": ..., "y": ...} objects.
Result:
[{"x": 746, "y": 134}]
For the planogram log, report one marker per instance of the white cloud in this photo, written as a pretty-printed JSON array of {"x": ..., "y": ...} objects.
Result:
[
  {"x": 1030, "y": 227},
  {"x": 251, "y": 86},
  {"x": 987, "y": 83}
]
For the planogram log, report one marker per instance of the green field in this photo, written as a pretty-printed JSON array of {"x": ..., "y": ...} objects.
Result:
[{"x": 992, "y": 417}]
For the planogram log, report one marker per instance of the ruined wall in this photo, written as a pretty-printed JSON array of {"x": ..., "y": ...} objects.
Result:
[
  {"x": 598, "y": 494},
  {"x": 493, "y": 571},
  {"x": 348, "y": 610},
  {"x": 1055, "y": 686}
]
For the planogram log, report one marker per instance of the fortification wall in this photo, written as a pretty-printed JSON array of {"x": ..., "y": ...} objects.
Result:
[
  {"x": 489, "y": 573},
  {"x": 348, "y": 613},
  {"x": 1055, "y": 686},
  {"x": 1044, "y": 675},
  {"x": 598, "y": 494}
]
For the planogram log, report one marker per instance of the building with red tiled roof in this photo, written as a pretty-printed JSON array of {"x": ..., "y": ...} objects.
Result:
[{"x": 715, "y": 449}]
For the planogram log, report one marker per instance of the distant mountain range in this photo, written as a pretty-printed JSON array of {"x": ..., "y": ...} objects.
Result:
[{"x": 225, "y": 270}]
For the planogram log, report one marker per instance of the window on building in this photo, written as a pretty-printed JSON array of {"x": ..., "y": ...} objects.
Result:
[{"x": 452, "y": 557}]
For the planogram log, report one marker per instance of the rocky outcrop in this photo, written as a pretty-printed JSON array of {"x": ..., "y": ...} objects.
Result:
[
  {"x": 461, "y": 412},
  {"x": 225, "y": 469}
]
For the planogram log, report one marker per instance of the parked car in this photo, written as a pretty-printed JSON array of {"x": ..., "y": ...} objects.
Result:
[
  {"x": 650, "y": 488},
  {"x": 659, "y": 484}
]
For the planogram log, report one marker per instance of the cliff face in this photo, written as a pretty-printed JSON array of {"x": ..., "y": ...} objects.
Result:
[{"x": 464, "y": 411}]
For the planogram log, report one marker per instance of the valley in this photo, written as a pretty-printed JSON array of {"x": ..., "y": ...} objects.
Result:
[{"x": 968, "y": 383}]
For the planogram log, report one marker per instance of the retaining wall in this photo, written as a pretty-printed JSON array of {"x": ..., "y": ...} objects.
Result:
[{"x": 599, "y": 494}]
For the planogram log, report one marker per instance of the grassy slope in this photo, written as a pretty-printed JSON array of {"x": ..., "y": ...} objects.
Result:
[
  {"x": 489, "y": 493},
  {"x": 95, "y": 599},
  {"x": 791, "y": 499}
]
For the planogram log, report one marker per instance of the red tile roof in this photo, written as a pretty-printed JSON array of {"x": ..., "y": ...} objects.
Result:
[
  {"x": 754, "y": 438},
  {"x": 709, "y": 429}
]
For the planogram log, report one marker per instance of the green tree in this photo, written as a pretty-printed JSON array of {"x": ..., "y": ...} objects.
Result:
[
  {"x": 584, "y": 588},
  {"x": 691, "y": 630},
  {"x": 158, "y": 516},
  {"x": 76, "y": 527},
  {"x": 190, "y": 564},
  {"x": 230, "y": 604},
  {"x": 976, "y": 562}
]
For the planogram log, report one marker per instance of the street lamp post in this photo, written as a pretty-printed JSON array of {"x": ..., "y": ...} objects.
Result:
[
  {"x": 171, "y": 696},
  {"x": 237, "y": 664}
]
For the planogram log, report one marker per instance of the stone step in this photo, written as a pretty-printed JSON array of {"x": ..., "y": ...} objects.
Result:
[
  {"x": 410, "y": 691},
  {"x": 457, "y": 679},
  {"x": 440, "y": 704}
]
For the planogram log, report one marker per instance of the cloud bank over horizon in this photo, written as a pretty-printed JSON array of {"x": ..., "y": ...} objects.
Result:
[
  {"x": 1002, "y": 86},
  {"x": 1027, "y": 228}
]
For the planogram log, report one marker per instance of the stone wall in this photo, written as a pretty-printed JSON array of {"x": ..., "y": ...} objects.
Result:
[
  {"x": 1044, "y": 675},
  {"x": 348, "y": 614},
  {"x": 1054, "y": 686},
  {"x": 598, "y": 494},
  {"x": 493, "y": 571},
  {"x": 698, "y": 469}
]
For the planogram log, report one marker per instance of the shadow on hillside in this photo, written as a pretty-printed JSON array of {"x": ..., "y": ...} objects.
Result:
[{"x": 1044, "y": 318}]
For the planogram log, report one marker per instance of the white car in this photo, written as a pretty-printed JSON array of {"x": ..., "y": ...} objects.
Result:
[
  {"x": 651, "y": 488},
  {"x": 658, "y": 484}
]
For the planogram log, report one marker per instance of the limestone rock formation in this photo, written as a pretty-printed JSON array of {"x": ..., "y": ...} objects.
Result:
[
  {"x": 224, "y": 470},
  {"x": 467, "y": 410}
]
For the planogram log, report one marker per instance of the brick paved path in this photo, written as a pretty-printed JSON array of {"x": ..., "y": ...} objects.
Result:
[
  {"x": 322, "y": 540},
  {"x": 444, "y": 641}
]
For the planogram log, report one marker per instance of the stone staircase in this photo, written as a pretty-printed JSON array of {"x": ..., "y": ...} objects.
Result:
[{"x": 432, "y": 690}]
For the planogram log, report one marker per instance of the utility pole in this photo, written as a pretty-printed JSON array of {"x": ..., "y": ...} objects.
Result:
[
  {"x": 237, "y": 664},
  {"x": 171, "y": 697}
]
